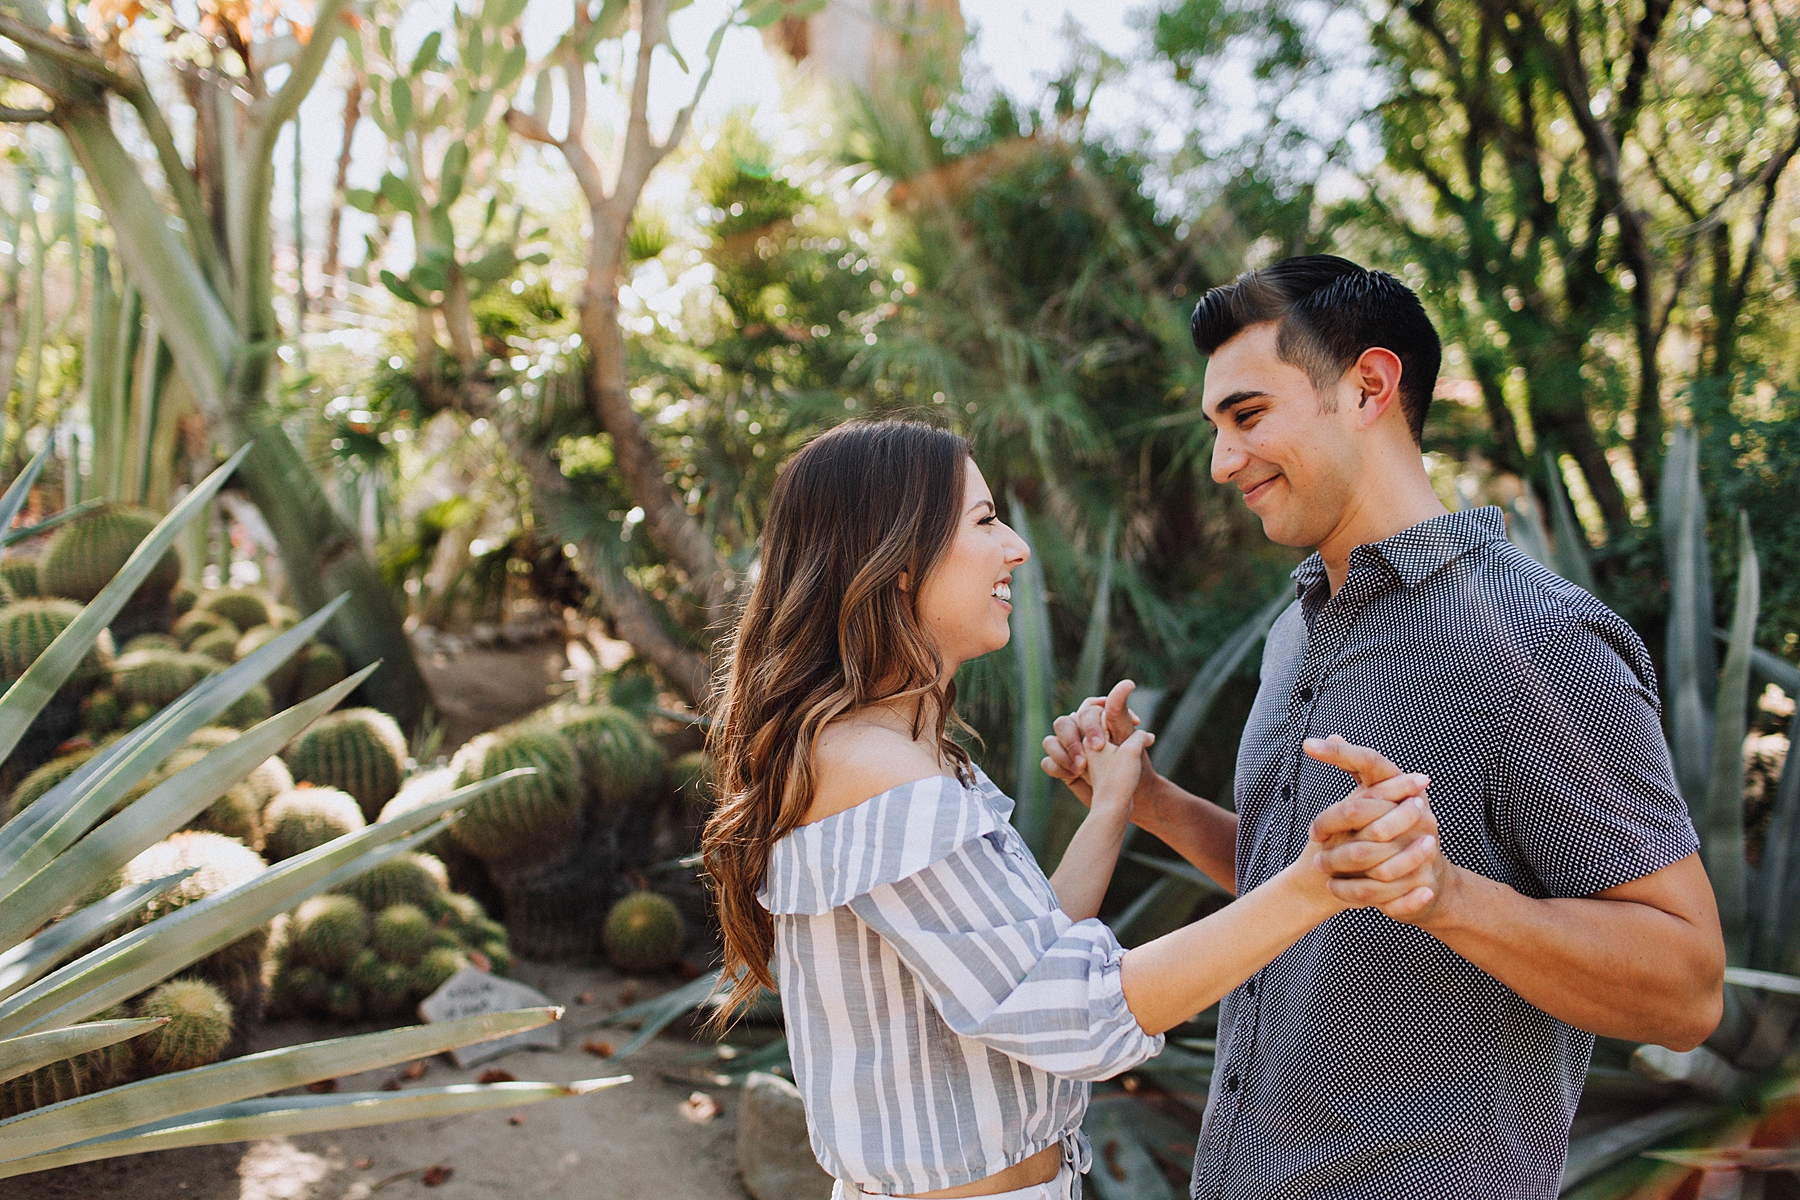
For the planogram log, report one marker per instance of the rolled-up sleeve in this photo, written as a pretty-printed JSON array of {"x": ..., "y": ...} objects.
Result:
[{"x": 1002, "y": 971}]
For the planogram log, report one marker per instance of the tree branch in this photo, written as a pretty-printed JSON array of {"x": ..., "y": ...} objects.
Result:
[
  {"x": 183, "y": 188},
  {"x": 24, "y": 116}
]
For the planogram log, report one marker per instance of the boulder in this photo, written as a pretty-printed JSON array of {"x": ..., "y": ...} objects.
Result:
[{"x": 773, "y": 1153}]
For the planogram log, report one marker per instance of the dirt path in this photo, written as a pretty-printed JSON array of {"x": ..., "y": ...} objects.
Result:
[
  {"x": 624, "y": 1143},
  {"x": 481, "y": 689}
]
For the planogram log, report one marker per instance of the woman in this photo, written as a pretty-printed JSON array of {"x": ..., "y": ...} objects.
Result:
[{"x": 945, "y": 1003}]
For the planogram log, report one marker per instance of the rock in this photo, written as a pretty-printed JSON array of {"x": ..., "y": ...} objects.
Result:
[{"x": 773, "y": 1153}]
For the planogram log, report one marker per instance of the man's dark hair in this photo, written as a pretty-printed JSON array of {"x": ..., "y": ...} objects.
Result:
[{"x": 1330, "y": 310}]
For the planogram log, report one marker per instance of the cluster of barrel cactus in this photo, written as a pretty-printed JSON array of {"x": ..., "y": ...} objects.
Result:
[{"x": 364, "y": 952}]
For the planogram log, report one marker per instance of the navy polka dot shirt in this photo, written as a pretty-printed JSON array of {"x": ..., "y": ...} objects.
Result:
[{"x": 1370, "y": 1060}]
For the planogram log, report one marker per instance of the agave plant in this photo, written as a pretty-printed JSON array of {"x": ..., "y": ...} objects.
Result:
[{"x": 61, "y": 849}]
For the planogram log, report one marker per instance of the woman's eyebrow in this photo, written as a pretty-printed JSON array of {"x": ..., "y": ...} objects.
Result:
[{"x": 979, "y": 503}]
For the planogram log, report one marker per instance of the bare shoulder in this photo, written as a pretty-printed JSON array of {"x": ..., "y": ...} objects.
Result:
[{"x": 858, "y": 760}]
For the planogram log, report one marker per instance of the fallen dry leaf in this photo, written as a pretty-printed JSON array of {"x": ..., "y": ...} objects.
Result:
[
  {"x": 699, "y": 1108},
  {"x": 598, "y": 1048},
  {"x": 416, "y": 1071},
  {"x": 363, "y": 1164},
  {"x": 391, "y": 1085},
  {"x": 481, "y": 962},
  {"x": 628, "y": 993},
  {"x": 585, "y": 998},
  {"x": 436, "y": 1176},
  {"x": 516, "y": 1119},
  {"x": 323, "y": 1085},
  {"x": 496, "y": 1075}
]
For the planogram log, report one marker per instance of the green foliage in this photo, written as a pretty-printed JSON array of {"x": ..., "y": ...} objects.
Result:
[
  {"x": 85, "y": 554},
  {"x": 304, "y": 818},
  {"x": 359, "y": 750},
  {"x": 200, "y": 1025},
  {"x": 526, "y": 817},
  {"x": 644, "y": 933}
]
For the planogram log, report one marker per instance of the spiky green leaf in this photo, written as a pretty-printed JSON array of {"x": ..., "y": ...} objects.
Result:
[
  {"x": 21, "y": 1054},
  {"x": 1723, "y": 848}
]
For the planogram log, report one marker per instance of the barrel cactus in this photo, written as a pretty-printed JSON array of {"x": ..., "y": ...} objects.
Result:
[
  {"x": 245, "y": 607},
  {"x": 27, "y": 628},
  {"x": 328, "y": 932},
  {"x": 404, "y": 934},
  {"x": 268, "y": 779},
  {"x": 360, "y": 750},
  {"x": 235, "y": 814},
  {"x": 181, "y": 600},
  {"x": 303, "y": 818},
  {"x": 320, "y": 667},
  {"x": 527, "y": 818},
  {"x": 222, "y": 863},
  {"x": 407, "y": 878},
  {"x": 21, "y": 576},
  {"x": 158, "y": 677},
  {"x": 85, "y": 554},
  {"x": 620, "y": 760},
  {"x": 435, "y": 970},
  {"x": 220, "y": 645},
  {"x": 282, "y": 679},
  {"x": 384, "y": 987},
  {"x": 33, "y": 786},
  {"x": 191, "y": 627},
  {"x": 199, "y": 1029},
  {"x": 251, "y": 708},
  {"x": 644, "y": 933},
  {"x": 150, "y": 641}
]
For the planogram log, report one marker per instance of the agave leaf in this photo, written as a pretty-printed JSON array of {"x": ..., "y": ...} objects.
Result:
[
  {"x": 14, "y": 536},
  {"x": 1526, "y": 530},
  {"x": 657, "y": 1013},
  {"x": 20, "y": 488},
  {"x": 1177, "y": 868},
  {"x": 30, "y": 959},
  {"x": 1129, "y": 1171},
  {"x": 164, "y": 1096},
  {"x": 1765, "y": 981},
  {"x": 1035, "y": 699},
  {"x": 1592, "y": 1153},
  {"x": 161, "y": 811},
  {"x": 53, "y": 823},
  {"x": 290, "y": 1116},
  {"x": 1569, "y": 549},
  {"x": 32, "y": 690},
  {"x": 1163, "y": 906},
  {"x": 21, "y": 1054},
  {"x": 1692, "y": 683},
  {"x": 153, "y": 952},
  {"x": 1723, "y": 850},
  {"x": 1733, "y": 1158},
  {"x": 1172, "y": 737},
  {"x": 1092, "y": 664}
]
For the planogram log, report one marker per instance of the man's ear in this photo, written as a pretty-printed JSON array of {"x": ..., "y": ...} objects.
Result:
[{"x": 1376, "y": 377}]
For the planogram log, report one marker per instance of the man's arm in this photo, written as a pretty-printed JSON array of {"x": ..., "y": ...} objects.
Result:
[
  {"x": 1200, "y": 831},
  {"x": 1644, "y": 961}
]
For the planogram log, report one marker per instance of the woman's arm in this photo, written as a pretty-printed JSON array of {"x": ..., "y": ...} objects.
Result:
[{"x": 1086, "y": 868}]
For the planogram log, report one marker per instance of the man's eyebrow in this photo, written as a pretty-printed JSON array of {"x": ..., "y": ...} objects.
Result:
[{"x": 1232, "y": 401}]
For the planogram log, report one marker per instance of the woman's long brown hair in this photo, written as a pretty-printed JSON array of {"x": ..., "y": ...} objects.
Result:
[{"x": 828, "y": 629}]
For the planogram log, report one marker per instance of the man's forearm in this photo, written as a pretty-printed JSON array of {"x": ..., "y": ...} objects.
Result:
[
  {"x": 1198, "y": 830},
  {"x": 1611, "y": 967}
]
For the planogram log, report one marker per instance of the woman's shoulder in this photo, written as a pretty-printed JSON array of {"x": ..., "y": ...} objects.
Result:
[{"x": 859, "y": 760}]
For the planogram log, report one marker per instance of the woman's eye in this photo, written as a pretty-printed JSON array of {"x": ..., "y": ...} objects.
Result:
[{"x": 988, "y": 520}]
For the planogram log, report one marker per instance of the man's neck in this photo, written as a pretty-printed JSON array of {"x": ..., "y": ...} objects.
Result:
[{"x": 1375, "y": 514}]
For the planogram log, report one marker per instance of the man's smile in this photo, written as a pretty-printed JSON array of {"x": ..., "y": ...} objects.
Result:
[{"x": 1258, "y": 490}]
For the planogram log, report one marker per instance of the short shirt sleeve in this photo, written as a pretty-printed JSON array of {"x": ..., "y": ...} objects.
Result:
[{"x": 1582, "y": 782}]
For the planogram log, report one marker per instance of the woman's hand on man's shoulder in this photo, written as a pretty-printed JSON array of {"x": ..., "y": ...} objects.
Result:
[{"x": 858, "y": 760}]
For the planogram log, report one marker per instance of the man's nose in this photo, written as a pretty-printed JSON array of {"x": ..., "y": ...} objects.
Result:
[{"x": 1228, "y": 458}]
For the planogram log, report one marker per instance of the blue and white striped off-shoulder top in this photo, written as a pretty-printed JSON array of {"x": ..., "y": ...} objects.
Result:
[{"x": 943, "y": 1013}]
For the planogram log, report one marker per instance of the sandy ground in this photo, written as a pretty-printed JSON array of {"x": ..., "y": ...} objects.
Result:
[{"x": 623, "y": 1143}]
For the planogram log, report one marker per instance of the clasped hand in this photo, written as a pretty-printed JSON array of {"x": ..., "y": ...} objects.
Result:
[{"x": 1377, "y": 847}]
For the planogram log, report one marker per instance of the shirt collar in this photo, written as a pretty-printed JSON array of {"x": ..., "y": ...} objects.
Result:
[{"x": 1416, "y": 554}]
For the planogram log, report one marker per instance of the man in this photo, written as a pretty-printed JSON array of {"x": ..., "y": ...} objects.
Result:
[{"x": 1436, "y": 1050}]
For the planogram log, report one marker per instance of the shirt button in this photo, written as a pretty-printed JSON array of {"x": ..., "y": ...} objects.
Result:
[
  {"x": 1249, "y": 987},
  {"x": 1287, "y": 792},
  {"x": 1231, "y": 1084},
  {"x": 1306, "y": 695}
]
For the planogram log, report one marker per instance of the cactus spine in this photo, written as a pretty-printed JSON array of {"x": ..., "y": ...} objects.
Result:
[
  {"x": 200, "y": 1027},
  {"x": 33, "y": 786},
  {"x": 359, "y": 750},
  {"x": 82, "y": 1075},
  {"x": 21, "y": 576}
]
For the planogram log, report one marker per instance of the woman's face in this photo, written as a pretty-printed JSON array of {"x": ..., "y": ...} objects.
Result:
[{"x": 965, "y": 603}]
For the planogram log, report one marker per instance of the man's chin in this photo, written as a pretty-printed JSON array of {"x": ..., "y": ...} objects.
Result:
[{"x": 1285, "y": 533}]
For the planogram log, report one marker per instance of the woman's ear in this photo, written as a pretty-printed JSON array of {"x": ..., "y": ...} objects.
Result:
[{"x": 906, "y": 581}]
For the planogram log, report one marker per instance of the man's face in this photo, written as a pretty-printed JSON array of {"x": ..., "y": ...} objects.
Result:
[{"x": 1293, "y": 462}]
